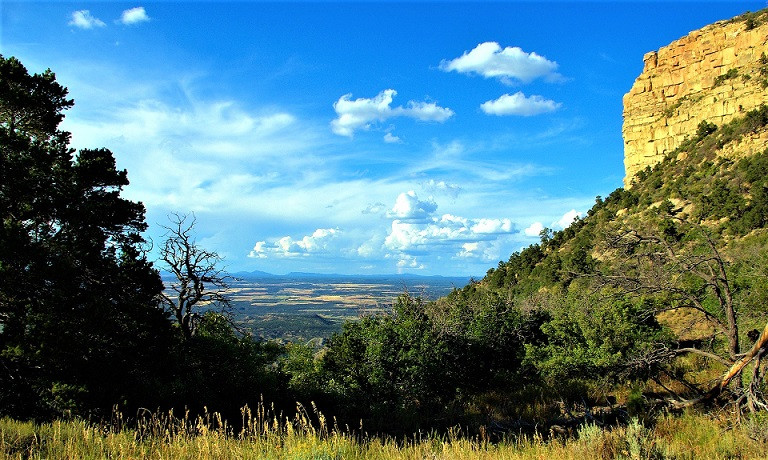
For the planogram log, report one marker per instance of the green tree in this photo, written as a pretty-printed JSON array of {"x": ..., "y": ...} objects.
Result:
[
  {"x": 391, "y": 369},
  {"x": 683, "y": 266},
  {"x": 223, "y": 370},
  {"x": 598, "y": 338},
  {"x": 79, "y": 321}
]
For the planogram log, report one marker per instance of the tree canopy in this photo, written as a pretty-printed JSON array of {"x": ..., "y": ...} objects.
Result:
[{"x": 78, "y": 297}]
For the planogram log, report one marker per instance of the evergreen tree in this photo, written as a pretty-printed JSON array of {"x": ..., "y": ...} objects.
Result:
[{"x": 79, "y": 321}]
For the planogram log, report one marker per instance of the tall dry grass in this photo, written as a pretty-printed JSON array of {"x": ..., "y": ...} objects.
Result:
[{"x": 308, "y": 435}]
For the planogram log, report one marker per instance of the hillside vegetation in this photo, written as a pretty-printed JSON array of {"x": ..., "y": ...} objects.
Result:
[{"x": 647, "y": 301}]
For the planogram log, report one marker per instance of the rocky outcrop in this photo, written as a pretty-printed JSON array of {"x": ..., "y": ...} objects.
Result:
[{"x": 714, "y": 74}]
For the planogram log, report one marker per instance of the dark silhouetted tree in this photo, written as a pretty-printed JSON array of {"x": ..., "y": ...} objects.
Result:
[{"x": 79, "y": 320}]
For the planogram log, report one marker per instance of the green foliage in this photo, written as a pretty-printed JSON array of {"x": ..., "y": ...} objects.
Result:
[
  {"x": 32, "y": 105},
  {"x": 80, "y": 325},
  {"x": 391, "y": 365},
  {"x": 729, "y": 75},
  {"x": 763, "y": 71},
  {"x": 420, "y": 363},
  {"x": 690, "y": 205},
  {"x": 597, "y": 339},
  {"x": 669, "y": 111},
  {"x": 219, "y": 368},
  {"x": 752, "y": 19},
  {"x": 705, "y": 128},
  {"x": 716, "y": 188},
  {"x": 750, "y": 278},
  {"x": 303, "y": 368},
  {"x": 78, "y": 318}
]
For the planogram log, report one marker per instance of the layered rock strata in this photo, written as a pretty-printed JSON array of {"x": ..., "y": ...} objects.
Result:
[{"x": 713, "y": 74}]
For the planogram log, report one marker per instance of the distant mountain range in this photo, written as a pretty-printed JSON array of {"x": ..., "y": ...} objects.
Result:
[
  {"x": 261, "y": 274},
  {"x": 299, "y": 275}
]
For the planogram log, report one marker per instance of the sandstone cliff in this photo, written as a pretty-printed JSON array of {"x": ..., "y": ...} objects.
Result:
[{"x": 713, "y": 74}]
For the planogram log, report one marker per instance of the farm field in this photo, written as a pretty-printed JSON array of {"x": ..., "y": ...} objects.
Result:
[{"x": 303, "y": 307}]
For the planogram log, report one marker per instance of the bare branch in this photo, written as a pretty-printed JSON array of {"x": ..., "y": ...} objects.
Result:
[
  {"x": 706, "y": 354},
  {"x": 199, "y": 282}
]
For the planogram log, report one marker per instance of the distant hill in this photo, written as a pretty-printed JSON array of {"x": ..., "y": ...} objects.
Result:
[{"x": 299, "y": 275}]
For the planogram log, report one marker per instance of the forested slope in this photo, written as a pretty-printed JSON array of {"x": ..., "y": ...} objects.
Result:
[{"x": 649, "y": 299}]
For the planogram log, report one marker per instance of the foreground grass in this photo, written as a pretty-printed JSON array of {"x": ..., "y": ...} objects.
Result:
[{"x": 167, "y": 437}]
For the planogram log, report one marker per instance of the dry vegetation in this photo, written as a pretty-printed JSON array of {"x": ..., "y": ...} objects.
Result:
[{"x": 310, "y": 436}]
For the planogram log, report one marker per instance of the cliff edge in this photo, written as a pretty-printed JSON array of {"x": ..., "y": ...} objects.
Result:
[{"x": 713, "y": 74}]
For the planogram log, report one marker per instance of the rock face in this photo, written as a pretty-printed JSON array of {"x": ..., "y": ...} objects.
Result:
[{"x": 713, "y": 75}]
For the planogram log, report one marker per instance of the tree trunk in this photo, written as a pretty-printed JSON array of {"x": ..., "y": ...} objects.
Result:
[{"x": 737, "y": 368}]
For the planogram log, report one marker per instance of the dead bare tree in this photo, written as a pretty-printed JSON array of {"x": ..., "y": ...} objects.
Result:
[
  {"x": 680, "y": 264},
  {"x": 199, "y": 281}
]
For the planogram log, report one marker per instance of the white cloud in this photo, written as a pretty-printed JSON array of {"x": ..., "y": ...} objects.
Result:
[
  {"x": 568, "y": 218},
  {"x": 447, "y": 229},
  {"x": 362, "y": 112},
  {"x": 408, "y": 261},
  {"x": 409, "y": 207},
  {"x": 491, "y": 61},
  {"x": 134, "y": 16},
  {"x": 259, "y": 250},
  {"x": 389, "y": 138},
  {"x": 197, "y": 154},
  {"x": 218, "y": 128},
  {"x": 492, "y": 226},
  {"x": 319, "y": 242},
  {"x": 84, "y": 20},
  {"x": 519, "y": 104},
  {"x": 375, "y": 208},
  {"x": 534, "y": 229},
  {"x": 480, "y": 251},
  {"x": 433, "y": 186},
  {"x": 468, "y": 249},
  {"x": 367, "y": 249}
]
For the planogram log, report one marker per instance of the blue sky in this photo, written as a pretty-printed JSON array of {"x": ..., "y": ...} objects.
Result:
[{"x": 355, "y": 138}]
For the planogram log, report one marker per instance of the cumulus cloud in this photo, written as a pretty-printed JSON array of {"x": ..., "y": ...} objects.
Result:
[
  {"x": 409, "y": 207},
  {"x": 83, "y": 19},
  {"x": 408, "y": 261},
  {"x": 534, "y": 229},
  {"x": 447, "y": 229},
  {"x": 134, "y": 16},
  {"x": 492, "y": 226},
  {"x": 360, "y": 113},
  {"x": 568, "y": 218},
  {"x": 415, "y": 230},
  {"x": 490, "y": 60},
  {"x": 319, "y": 242},
  {"x": 367, "y": 249},
  {"x": 441, "y": 186},
  {"x": 389, "y": 138},
  {"x": 375, "y": 208},
  {"x": 468, "y": 249},
  {"x": 519, "y": 104},
  {"x": 485, "y": 251}
]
